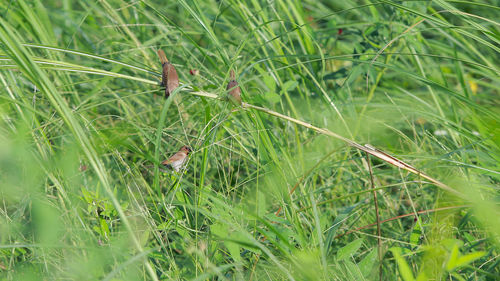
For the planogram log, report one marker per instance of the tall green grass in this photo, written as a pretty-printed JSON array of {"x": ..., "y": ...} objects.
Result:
[{"x": 278, "y": 189}]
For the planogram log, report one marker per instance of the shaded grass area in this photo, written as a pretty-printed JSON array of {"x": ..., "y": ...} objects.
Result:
[{"x": 84, "y": 127}]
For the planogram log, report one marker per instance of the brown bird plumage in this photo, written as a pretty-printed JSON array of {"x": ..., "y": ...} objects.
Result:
[
  {"x": 177, "y": 160},
  {"x": 234, "y": 90},
  {"x": 169, "y": 77}
]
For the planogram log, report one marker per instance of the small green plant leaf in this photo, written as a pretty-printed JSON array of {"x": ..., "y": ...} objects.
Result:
[
  {"x": 290, "y": 85},
  {"x": 453, "y": 258},
  {"x": 234, "y": 250},
  {"x": 404, "y": 268},
  {"x": 466, "y": 259},
  {"x": 353, "y": 270},
  {"x": 456, "y": 261},
  {"x": 270, "y": 83},
  {"x": 349, "y": 249},
  {"x": 366, "y": 264},
  {"x": 272, "y": 97},
  {"x": 219, "y": 229},
  {"x": 164, "y": 225},
  {"x": 104, "y": 228},
  {"x": 415, "y": 235}
]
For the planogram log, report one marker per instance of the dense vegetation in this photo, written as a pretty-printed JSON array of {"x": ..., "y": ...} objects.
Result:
[{"x": 275, "y": 189}]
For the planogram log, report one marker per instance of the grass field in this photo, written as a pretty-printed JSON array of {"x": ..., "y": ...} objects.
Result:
[{"x": 292, "y": 184}]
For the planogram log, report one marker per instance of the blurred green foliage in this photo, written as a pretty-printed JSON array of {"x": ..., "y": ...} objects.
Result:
[{"x": 84, "y": 126}]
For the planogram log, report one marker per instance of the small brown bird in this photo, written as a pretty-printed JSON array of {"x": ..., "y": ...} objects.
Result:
[
  {"x": 169, "y": 77},
  {"x": 177, "y": 160},
  {"x": 234, "y": 90}
]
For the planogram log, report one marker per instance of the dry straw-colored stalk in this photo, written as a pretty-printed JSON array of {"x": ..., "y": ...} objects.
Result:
[{"x": 366, "y": 148}]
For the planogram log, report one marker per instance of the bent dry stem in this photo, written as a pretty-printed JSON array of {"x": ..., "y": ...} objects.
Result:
[{"x": 366, "y": 148}]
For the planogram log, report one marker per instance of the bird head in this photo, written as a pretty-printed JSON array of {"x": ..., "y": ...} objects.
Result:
[{"x": 186, "y": 149}]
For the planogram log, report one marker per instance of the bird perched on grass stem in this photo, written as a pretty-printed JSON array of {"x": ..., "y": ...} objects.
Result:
[
  {"x": 234, "y": 90},
  {"x": 169, "y": 77},
  {"x": 177, "y": 160}
]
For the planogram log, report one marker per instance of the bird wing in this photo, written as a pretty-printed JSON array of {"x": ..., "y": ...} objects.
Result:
[
  {"x": 179, "y": 156},
  {"x": 172, "y": 78},
  {"x": 234, "y": 91}
]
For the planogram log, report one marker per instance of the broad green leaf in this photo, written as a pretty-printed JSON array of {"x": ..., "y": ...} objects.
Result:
[
  {"x": 270, "y": 83},
  {"x": 353, "y": 270},
  {"x": 466, "y": 259},
  {"x": 456, "y": 261},
  {"x": 349, "y": 249},
  {"x": 453, "y": 258},
  {"x": 164, "y": 225},
  {"x": 290, "y": 85},
  {"x": 272, "y": 97},
  {"x": 219, "y": 229},
  {"x": 234, "y": 250},
  {"x": 366, "y": 264},
  {"x": 404, "y": 268}
]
